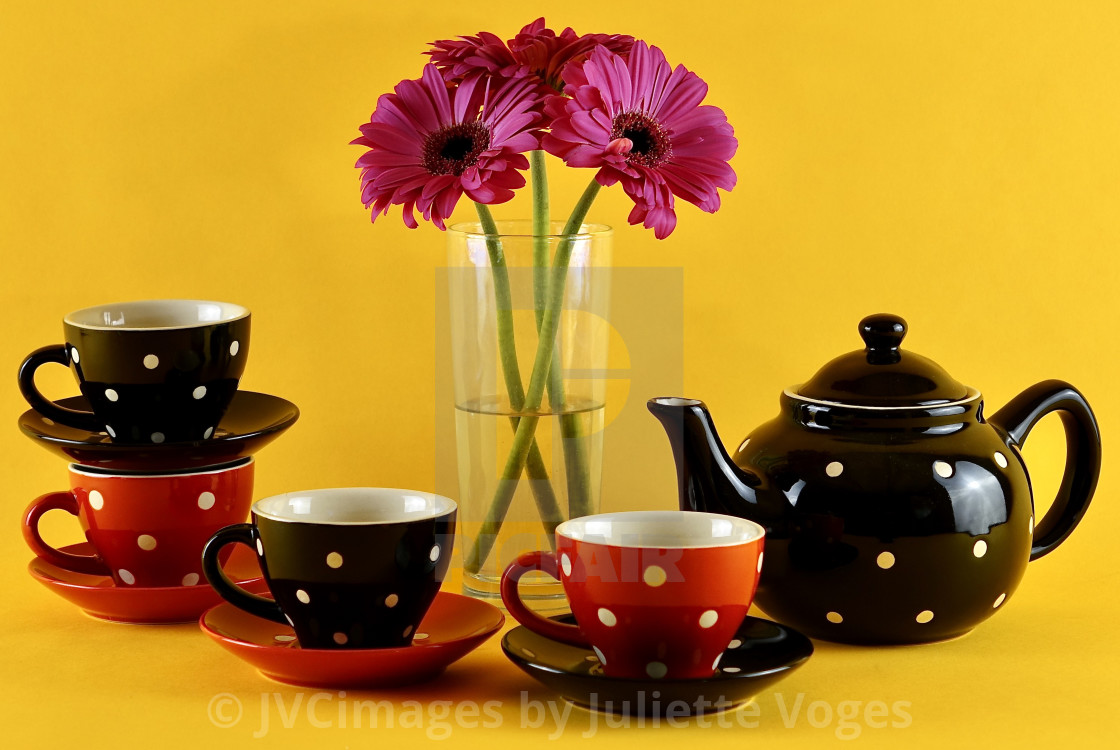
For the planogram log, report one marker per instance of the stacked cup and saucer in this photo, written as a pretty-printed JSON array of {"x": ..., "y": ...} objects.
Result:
[{"x": 160, "y": 448}]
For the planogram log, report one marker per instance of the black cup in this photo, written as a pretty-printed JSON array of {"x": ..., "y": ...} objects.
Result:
[
  {"x": 347, "y": 568},
  {"x": 154, "y": 371}
]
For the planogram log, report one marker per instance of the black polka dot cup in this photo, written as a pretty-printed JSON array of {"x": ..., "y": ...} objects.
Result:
[
  {"x": 147, "y": 530},
  {"x": 347, "y": 568},
  {"x": 656, "y": 594},
  {"x": 153, "y": 371}
]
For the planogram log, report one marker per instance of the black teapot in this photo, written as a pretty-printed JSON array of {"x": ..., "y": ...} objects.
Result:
[{"x": 895, "y": 510}]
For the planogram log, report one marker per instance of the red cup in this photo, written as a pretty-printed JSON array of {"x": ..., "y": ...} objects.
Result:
[
  {"x": 146, "y": 529},
  {"x": 656, "y": 594}
]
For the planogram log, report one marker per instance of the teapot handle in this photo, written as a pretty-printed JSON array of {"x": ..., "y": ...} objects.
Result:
[{"x": 1083, "y": 454}]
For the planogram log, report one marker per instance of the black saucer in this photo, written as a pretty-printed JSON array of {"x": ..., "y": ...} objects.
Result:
[
  {"x": 252, "y": 421},
  {"x": 765, "y": 653}
]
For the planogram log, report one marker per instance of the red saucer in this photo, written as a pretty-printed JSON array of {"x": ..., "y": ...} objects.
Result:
[
  {"x": 99, "y": 597},
  {"x": 453, "y": 627}
]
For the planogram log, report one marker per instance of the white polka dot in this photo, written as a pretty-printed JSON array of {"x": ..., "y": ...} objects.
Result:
[
  {"x": 420, "y": 637},
  {"x": 999, "y": 600},
  {"x": 208, "y": 433},
  {"x": 260, "y": 548},
  {"x": 834, "y": 469},
  {"x": 125, "y": 576},
  {"x": 285, "y": 638},
  {"x": 743, "y": 445},
  {"x": 731, "y": 670},
  {"x": 709, "y": 618},
  {"x": 111, "y": 394},
  {"x": 715, "y": 663},
  {"x": 943, "y": 469},
  {"x": 566, "y": 564},
  {"x": 190, "y": 579},
  {"x": 602, "y": 659},
  {"x": 151, "y": 361},
  {"x": 334, "y": 560},
  {"x": 1000, "y": 459},
  {"x": 654, "y": 576},
  {"x": 340, "y": 639},
  {"x": 109, "y": 430},
  {"x": 146, "y": 542},
  {"x": 391, "y": 600},
  {"x": 96, "y": 500},
  {"x": 656, "y": 670},
  {"x": 406, "y": 631},
  {"x": 607, "y": 617},
  {"x": 199, "y": 392},
  {"x": 834, "y": 617},
  {"x": 74, "y": 355},
  {"x": 885, "y": 560},
  {"x": 735, "y": 643},
  {"x": 980, "y": 548},
  {"x": 206, "y": 500},
  {"x": 924, "y": 616},
  {"x": 157, "y": 437},
  {"x": 1030, "y": 525},
  {"x": 759, "y": 566},
  {"x": 234, "y": 348},
  {"x": 434, "y": 554},
  {"x": 303, "y": 596}
]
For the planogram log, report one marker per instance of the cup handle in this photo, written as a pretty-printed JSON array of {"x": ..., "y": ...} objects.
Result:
[
  {"x": 57, "y": 501},
  {"x": 82, "y": 420},
  {"x": 243, "y": 533},
  {"x": 527, "y": 563},
  {"x": 1083, "y": 454}
]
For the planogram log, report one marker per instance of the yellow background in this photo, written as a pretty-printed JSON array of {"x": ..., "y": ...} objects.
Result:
[{"x": 956, "y": 163}]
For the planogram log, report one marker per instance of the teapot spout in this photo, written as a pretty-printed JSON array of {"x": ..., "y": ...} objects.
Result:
[{"x": 707, "y": 479}]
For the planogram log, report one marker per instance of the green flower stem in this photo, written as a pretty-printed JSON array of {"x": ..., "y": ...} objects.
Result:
[
  {"x": 541, "y": 230},
  {"x": 547, "y": 506},
  {"x": 571, "y": 433},
  {"x": 523, "y": 439}
]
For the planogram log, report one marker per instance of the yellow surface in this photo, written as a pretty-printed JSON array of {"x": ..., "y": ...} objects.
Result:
[{"x": 954, "y": 162}]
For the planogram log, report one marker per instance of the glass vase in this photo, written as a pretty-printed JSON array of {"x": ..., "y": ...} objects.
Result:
[{"x": 528, "y": 413}]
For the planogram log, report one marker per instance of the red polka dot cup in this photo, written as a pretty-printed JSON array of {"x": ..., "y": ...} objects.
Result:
[
  {"x": 147, "y": 530},
  {"x": 656, "y": 594}
]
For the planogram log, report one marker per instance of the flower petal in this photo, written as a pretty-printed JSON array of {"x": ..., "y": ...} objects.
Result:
[{"x": 498, "y": 117}]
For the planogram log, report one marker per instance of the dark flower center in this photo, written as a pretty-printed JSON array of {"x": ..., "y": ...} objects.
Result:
[
  {"x": 454, "y": 148},
  {"x": 651, "y": 141}
]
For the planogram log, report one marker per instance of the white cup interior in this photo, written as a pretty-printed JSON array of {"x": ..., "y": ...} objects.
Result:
[
  {"x": 665, "y": 529},
  {"x": 354, "y": 505},
  {"x": 155, "y": 314}
]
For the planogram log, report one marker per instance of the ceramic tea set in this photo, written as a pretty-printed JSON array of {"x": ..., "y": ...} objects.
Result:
[
  {"x": 161, "y": 444},
  {"x": 880, "y": 506}
]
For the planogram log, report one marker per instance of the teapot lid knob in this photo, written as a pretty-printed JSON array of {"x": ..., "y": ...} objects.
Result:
[
  {"x": 881, "y": 375},
  {"x": 883, "y": 334}
]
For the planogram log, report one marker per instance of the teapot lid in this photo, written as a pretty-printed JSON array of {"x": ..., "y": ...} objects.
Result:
[{"x": 882, "y": 375}]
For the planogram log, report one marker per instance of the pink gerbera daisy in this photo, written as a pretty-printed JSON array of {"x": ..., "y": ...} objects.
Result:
[
  {"x": 641, "y": 123},
  {"x": 430, "y": 143},
  {"x": 537, "y": 52}
]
